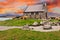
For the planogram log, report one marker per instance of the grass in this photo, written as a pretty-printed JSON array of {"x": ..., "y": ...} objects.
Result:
[
  {"x": 21, "y": 22},
  {"x": 17, "y": 34},
  {"x": 18, "y": 22},
  {"x": 54, "y": 20}
]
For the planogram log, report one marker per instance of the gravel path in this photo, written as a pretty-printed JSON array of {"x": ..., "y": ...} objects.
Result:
[{"x": 39, "y": 28}]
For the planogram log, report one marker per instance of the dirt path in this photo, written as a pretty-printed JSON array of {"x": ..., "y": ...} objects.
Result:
[
  {"x": 39, "y": 28},
  {"x": 2, "y": 28}
]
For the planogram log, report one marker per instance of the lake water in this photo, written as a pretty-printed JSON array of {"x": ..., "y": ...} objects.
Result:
[{"x": 3, "y": 19}]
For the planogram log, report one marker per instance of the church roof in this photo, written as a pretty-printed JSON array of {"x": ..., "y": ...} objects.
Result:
[{"x": 34, "y": 8}]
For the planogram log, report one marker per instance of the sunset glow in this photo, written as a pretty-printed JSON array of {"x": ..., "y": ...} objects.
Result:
[
  {"x": 57, "y": 4},
  {"x": 12, "y": 5}
]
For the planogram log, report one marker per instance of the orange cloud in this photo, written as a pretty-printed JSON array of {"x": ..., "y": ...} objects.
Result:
[
  {"x": 57, "y": 4},
  {"x": 11, "y": 4}
]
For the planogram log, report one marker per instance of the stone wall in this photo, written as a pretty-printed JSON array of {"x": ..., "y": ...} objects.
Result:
[{"x": 36, "y": 15}]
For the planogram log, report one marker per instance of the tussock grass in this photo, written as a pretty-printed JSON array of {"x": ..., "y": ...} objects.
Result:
[{"x": 17, "y": 34}]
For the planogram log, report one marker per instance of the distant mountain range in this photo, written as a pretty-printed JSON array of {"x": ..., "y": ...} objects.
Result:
[
  {"x": 50, "y": 14},
  {"x": 4, "y": 15}
]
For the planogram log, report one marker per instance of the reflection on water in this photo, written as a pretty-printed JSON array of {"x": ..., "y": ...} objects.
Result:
[{"x": 3, "y": 19}]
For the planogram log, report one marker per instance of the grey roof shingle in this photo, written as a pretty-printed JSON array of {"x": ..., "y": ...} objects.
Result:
[{"x": 34, "y": 8}]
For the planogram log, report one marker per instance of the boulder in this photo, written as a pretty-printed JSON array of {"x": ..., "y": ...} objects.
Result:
[
  {"x": 47, "y": 27},
  {"x": 35, "y": 23}
]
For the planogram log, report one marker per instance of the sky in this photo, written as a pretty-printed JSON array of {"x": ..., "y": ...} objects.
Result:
[{"x": 7, "y": 6}]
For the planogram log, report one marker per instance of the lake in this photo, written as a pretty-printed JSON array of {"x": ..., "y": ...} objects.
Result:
[{"x": 3, "y": 19}]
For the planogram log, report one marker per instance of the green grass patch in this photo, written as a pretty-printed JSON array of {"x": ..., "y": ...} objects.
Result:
[
  {"x": 18, "y": 22},
  {"x": 54, "y": 20},
  {"x": 17, "y": 34}
]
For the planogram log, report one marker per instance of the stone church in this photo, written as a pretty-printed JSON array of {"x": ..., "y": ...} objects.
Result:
[{"x": 37, "y": 11}]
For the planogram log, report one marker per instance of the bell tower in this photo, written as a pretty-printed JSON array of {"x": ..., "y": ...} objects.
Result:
[{"x": 45, "y": 10}]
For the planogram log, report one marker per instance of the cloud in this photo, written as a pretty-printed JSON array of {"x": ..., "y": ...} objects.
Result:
[
  {"x": 11, "y": 5},
  {"x": 3, "y": 0},
  {"x": 56, "y": 10}
]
